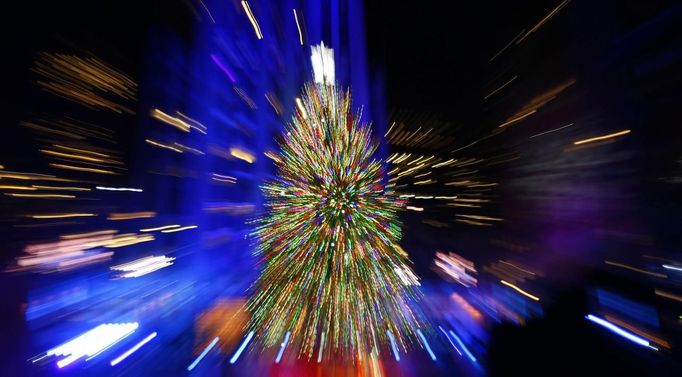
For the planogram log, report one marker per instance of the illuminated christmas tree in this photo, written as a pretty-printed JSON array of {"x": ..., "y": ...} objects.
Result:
[{"x": 335, "y": 282}]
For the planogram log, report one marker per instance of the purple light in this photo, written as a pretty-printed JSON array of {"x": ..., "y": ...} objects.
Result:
[{"x": 220, "y": 65}]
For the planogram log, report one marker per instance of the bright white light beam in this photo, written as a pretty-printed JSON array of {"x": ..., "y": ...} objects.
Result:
[
  {"x": 92, "y": 342},
  {"x": 617, "y": 330},
  {"x": 118, "y": 189},
  {"x": 136, "y": 347},
  {"x": 671, "y": 267}
]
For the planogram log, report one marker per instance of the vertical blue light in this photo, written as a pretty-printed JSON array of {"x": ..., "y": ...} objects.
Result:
[
  {"x": 393, "y": 346},
  {"x": 282, "y": 347}
]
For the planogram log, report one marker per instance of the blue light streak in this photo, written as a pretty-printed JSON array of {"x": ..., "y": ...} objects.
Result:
[
  {"x": 282, "y": 347},
  {"x": 241, "y": 348},
  {"x": 393, "y": 346},
  {"x": 619, "y": 331},
  {"x": 461, "y": 344},
  {"x": 136, "y": 347},
  {"x": 426, "y": 344},
  {"x": 450, "y": 340},
  {"x": 203, "y": 354}
]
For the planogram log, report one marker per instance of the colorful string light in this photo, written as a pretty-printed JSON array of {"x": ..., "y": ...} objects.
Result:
[{"x": 329, "y": 239}]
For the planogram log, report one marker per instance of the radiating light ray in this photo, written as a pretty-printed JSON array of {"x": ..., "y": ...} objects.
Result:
[
  {"x": 159, "y": 228},
  {"x": 143, "y": 266},
  {"x": 241, "y": 348},
  {"x": 298, "y": 26},
  {"x": 282, "y": 347},
  {"x": 203, "y": 354},
  {"x": 223, "y": 68},
  {"x": 180, "y": 229},
  {"x": 450, "y": 340},
  {"x": 550, "y": 131},
  {"x": 604, "y": 137},
  {"x": 426, "y": 344},
  {"x": 118, "y": 189},
  {"x": 134, "y": 348},
  {"x": 521, "y": 291},
  {"x": 393, "y": 346},
  {"x": 671, "y": 267},
  {"x": 41, "y": 196},
  {"x": 92, "y": 343},
  {"x": 319, "y": 352},
  {"x": 254, "y": 23},
  {"x": 617, "y": 330},
  {"x": 500, "y": 88},
  {"x": 63, "y": 215},
  {"x": 464, "y": 347}
]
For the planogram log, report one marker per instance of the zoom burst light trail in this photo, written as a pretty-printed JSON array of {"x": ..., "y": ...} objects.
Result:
[{"x": 329, "y": 240}]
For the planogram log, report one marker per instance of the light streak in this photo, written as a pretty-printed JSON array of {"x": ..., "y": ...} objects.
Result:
[
  {"x": 43, "y": 196},
  {"x": 521, "y": 291},
  {"x": 241, "y": 348},
  {"x": 319, "y": 352},
  {"x": 92, "y": 343},
  {"x": 282, "y": 347},
  {"x": 72, "y": 149},
  {"x": 669, "y": 295},
  {"x": 617, "y": 330},
  {"x": 131, "y": 215},
  {"x": 254, "y": 23},
  {"x": 604, "y": 137},
  {"x": 671, "y": 267},
  {"x": 118, "y": 189},
  {"x": 180, "y": 229},
  {"x": 80, "y": 168},
  {"x": 426, "y": 344},
  {"x": 636, "y": 269},
  {"x": 11, "y": 187},
  {"x": 223, "y": 68},
  {"x": 518, "y": 118},
  {"x": 242, "y": 155},
  {"x": 500, "y": 88},
  {"x": 143, "y": 266},
  {"x": 300, "y": 34},
  {"x": 63, "y": 188},
  {"x": 544, "y": 20},
  {"x": 393, "y": 346},
  {"x": 207, "y": 11},
  {"x": 159, "y": 228},
  {"x": 322, "y": 59},
  {"x": 554, "y": 130},
  {"x": 161, "y": 145},
  {"x": 203, "y": 354},
  {"x": 62, "y": 215},
  {"x": 464, "y": 347},
  {"x": 130, "y": 351},
  {"x": 450, "y": 340},
  {"x": 89, "y": 234}
]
